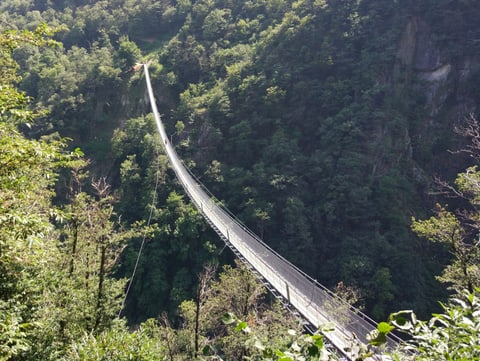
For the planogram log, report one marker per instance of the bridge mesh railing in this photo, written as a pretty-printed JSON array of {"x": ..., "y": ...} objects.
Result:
[{"x": 313, "y": 301}]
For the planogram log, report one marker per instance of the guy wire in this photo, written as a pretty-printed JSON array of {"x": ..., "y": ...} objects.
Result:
[{"x": 144, "y": 237}]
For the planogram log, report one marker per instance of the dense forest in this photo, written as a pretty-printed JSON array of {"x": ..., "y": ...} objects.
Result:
[{"x": 330, "y": 128}]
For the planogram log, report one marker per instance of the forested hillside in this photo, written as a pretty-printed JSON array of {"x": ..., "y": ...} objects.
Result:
[{"x": 321, "y": 124}]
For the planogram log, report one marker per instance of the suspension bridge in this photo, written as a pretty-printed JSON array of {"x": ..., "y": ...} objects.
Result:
[{"x": 314, "y": 302}]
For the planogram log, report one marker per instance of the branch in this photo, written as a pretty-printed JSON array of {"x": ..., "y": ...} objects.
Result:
[
  {"x": 446, "y": 190},
  {"x": 101, "y": 187},
  {"x": 470, "y": 130}
]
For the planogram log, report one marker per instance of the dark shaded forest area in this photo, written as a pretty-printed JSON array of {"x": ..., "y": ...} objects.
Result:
[{"x": 321, "y": 124}]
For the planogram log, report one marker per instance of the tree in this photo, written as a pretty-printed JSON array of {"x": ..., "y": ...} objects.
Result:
[
  {"x": 451, "y": 335},
  {"x": 27, "y": 246},
  {"x": 55, "y": 284},
  {"x": 92, "y": 241},
  {"x": 13, "y": 102},
  {"x": 216, "y": 23},
  {"x": 127, "y": 54},
  {"x": 237, "y": 291},
  {"x": 120, "y": 343},
  {"x": 28, "y": 171},
  {"x": 455, "y": 333},
  {"x": 294, "y": 346},
  {"x": 459, "y": 230}
]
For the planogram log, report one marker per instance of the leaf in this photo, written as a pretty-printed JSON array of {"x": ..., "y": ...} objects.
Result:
[
  {"x": 384, "y": 327},
  {"x": 241, "y": 326},
  {"x": 318, "y": 340},
  {"x": 313, "y": 351},
  {"x": 402, "y": 322},
  {"x": 207, "y": 350},
  {"x": 229, "y": 318}
]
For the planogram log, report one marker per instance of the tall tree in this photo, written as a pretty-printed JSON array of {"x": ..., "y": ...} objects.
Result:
[
  {"x": 84, "y": 297},
  {"x": 459, "y": 230},
  {"x": 28, "y": 171}
]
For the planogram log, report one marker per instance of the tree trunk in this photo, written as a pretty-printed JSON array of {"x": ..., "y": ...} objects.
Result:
[{"x": 101, "y": 278}]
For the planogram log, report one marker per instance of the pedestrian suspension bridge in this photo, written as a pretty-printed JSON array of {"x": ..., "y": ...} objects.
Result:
[{"x": 314, "y": 302}]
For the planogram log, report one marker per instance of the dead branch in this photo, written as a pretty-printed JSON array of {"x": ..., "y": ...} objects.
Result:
[
  {"x": 471, "y": 130},
  {"x": 102, "y": 188}
]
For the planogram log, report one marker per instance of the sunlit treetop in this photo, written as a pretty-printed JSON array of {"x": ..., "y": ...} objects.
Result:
[{"x": 13, "y": 103}]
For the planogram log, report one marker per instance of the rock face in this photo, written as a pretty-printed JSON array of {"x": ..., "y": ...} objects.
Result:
[
  {"x": 417, "y": 49},
  {"x": 418, "y": 52},
  {"x": 441, "y": 81}
]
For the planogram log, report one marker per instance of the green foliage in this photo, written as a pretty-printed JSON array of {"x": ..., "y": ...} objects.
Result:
[
  {"x": 451, "y": 335},
  {"x": 454, "y": 232},
  {"x": 180, "y": 243},
  {"x": 204, "y": 333},
  {"x": 120, "y": 343},
  {"x": 28, "y": 171},
  {"x": 310, "y": 142},
  {"x": 78, "y": 86},
  {"x": 128, "y": 54},
  {"x": 15, "y": 329},
  {"x": 55, "y": 284},
  {"x": 378, "y": 337},
  {"x": 237, "y": 292},
  {"x": 300, "y": 115},
  {"x": 135, "y": 148},
  {"x": 27, "y": 246},
  {"x": 383, "y": 289},
  {"x": 294, "y": 346},
  {"x": 89, "y": 297},
  {"x": 216, "y": 23},
  {"x": 13, "y": 103}
]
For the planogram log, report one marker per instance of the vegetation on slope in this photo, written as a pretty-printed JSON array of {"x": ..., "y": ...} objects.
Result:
[
  {"x": 314, "y": 121},
  {"x": 59, "y": 298}
]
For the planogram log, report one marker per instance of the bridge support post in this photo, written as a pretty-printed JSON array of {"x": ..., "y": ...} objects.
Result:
[{"x": 288, "y": 292}]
